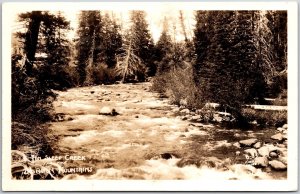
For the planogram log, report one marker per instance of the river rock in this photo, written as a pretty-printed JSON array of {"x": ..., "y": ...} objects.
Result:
[
  {"x": 183, "y": 102},
  {"x": 277, "y": 136},
  {"x": 237, "y": 144},
  {"x": 108, "y": 111},
  {"x": 237, "y": 135},
  {"x": 283, "y": 159},
  {"x": 198, "y": 111},
  {"x": 196, "y": 117},
  {"x": 263, "y": 151},
  {"x": 166, "y": 156},
  {"x": 284, "y": 136},
  {"x": 252, "y": 152},
  {"x": 257, "y": 145},
  {"x": 277, "y": 165},
  {"x": 185, "y": 111},
  {"x": 282, "y": 152},
  {"x": 260, "y": 162},
  {"x": 273, "y": 154},
  {"x": 184, "y": 118},
  {"x": 69, "y": 118},
  {"x": 217, "y": 118},
  {"x": 189, "y": 161},
  {"x": 248, "y": 142},
  {"x": 176, "y": 109},
  {"x": 281, "y": 146},
  {"x": 213, "y": 162},
  {"x": 280, "y": 129},
  {"x": 285, "y": 126}
]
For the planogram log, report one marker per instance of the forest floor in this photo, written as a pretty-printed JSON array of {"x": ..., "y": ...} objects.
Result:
[{"x": 147, "y": 139}]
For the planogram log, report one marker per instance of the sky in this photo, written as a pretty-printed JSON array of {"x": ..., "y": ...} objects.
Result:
[{"x": 154, "y": 18}]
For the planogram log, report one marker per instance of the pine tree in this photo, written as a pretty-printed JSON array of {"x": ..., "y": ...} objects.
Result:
[
  {"x": 202, "y": 39},
  {"x": 56, "y": 46},
  {"x": 264, "y": 45},
  {"x": 143, "y": 45},
  {"x": 46, "y": 56},
  {"x": 163, "y": 49},
  {"x": 130, "y": 67},
  {"x": 243, "y": 56},
  {"x": 31, "y": 37},
  {"x": 172, "y": 54},
  {"x": 211, "y": 65},
  {"x": 88, "y": 44},
  {"x": 277, "y": 24},
  {"x": 112, "y": 40},
  {"x": 278, "y": 27},
  {"x": 135, "y": 62},
  {"x": 229, "y": 73}
]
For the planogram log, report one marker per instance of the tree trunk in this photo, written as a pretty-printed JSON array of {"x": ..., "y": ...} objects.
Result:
[
  {"x": 126, "y": 62},
  {"x": 183, "y": 26},
  {"x": 91, "y": 60},
  {"x": 31, "y": 40}
]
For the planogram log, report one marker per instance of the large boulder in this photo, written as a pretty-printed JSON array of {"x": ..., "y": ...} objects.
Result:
[
  {"x": 108, "y": 111},
  {"x": 185, "y": 111},
  {"x": 252, "y": 152},
  {"x": 248, "y": 142},
  {"x": 237, "y": 145},
  {"x": 196, "y": 117},
  {"x": 273, "y": 155},
  {"x": 277, "y": 165},
  {"x": 283, "y": 159},
  {"x": 277, "y": 136},
  {"x": 105, "y": 111},
  {"x": 264, "y": 151},
  {"x": 175, "y": 109},
  {"x": 261, "y": 162},
  {"x": 257, "y": 145}
]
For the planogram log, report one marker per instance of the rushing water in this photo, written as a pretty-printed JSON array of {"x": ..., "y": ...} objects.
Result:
[{"x": 146, "y": 140}]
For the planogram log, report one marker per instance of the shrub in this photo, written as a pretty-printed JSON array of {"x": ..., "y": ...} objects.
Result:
[
  {"x": 100, "y": 75},
  {"x": 206, "y": 113},
  {"x": 31, "y": 97},
  {"x": 279, "y": 102},
  {"x": 265, "y": 117},
  {"x": 31, "y": 106},
  {"x": 278, "y": 85},
  {"x": 178, "y": 85},
  {"x": 73, "y": 75}
]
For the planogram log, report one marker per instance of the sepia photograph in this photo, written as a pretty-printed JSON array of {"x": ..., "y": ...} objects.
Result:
[{"x": 156, "y": 92}]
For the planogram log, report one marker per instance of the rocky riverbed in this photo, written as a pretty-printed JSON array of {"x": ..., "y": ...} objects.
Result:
[{"x": 125, "y": 131}]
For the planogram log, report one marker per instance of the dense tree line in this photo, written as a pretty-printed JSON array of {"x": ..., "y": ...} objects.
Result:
[
  {"x": 238, "y": 57},
  {"x": 42, "y": 64},
  {"x": 234, "y": 57},
  {"x": 237, "y": 54},
  {"x": 136, "y": 60}
]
